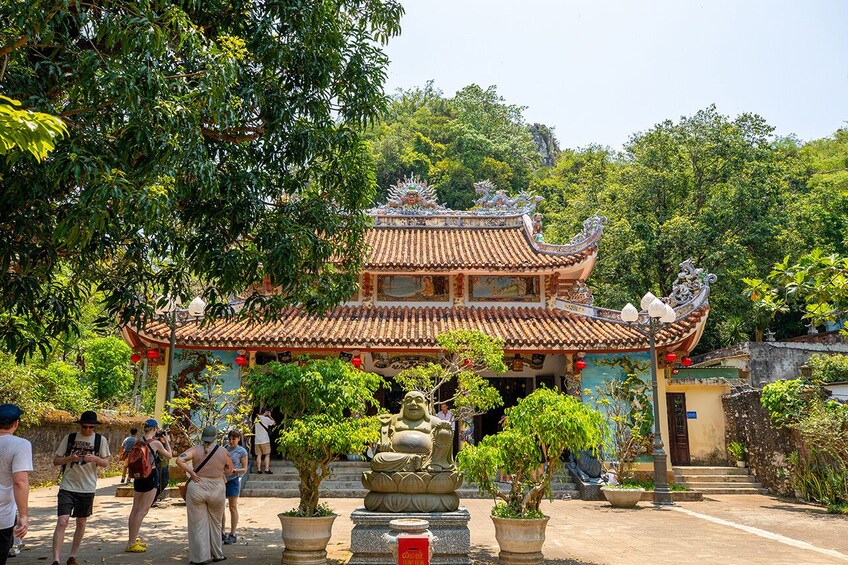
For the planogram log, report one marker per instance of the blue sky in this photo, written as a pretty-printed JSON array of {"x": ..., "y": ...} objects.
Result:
[{"x": 599, "y": 71}]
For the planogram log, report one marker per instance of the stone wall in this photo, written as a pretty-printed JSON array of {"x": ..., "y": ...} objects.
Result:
[
  {"x": 46, "y": 435},
  {"x": 767, "y": 447}
]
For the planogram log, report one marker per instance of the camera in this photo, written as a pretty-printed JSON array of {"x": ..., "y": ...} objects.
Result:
[{"x": 161, "y": 433}]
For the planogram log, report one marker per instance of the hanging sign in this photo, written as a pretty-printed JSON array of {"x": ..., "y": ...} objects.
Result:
[{"x": 692, "y": 415}]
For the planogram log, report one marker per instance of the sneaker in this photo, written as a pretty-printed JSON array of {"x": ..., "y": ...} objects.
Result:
[
  {"x": 232, "y": 538},
  {"x": 137, "y": 547},
  {"x": 269, "y": 472},
  {"x": 227, "y": 540}
]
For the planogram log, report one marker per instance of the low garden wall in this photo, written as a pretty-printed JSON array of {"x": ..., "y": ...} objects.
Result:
[
  {"x": 767, "y": 447},
  {"x": 46, "y": 435}
]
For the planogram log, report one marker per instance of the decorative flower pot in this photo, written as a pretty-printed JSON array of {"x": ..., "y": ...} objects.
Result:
[
  {"x": 306, "y": 539},
  {"x": 741, "y": 464},
  {"x": 520, "y": 540},
  {"x": 623, "y": 497}
]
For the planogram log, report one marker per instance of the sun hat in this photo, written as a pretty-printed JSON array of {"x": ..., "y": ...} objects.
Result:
[
  {"x": 209, "y": 433},
  {"x": 10, "y": 413},
  {"x": 151, "y": 423},
  {"x": 88, "y": 417}
]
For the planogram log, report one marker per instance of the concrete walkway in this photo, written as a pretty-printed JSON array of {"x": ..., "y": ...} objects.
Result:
[{"x": 723, "y": 529}]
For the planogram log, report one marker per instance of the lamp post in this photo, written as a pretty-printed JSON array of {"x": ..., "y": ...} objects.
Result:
[
  {"x": 174, "y": 317},
  {"x": 655, "y": 316}
]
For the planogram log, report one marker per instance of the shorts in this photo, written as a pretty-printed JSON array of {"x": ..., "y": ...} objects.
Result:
[
  {"x": 75, "y": 504},
  {"x": 148, "y": 483},
  {"x": 263, "y": 449},
  {"x": 233, "y": 487},
  {"x": 6, "y": 540}
]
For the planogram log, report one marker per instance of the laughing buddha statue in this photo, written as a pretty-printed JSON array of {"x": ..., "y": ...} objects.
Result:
[{"x": 413, "y": 469}]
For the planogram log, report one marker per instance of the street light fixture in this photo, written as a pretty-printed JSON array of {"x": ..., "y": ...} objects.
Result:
[
  {"x": 170, "y": 313},
  {"x": 659, "y": 314}
]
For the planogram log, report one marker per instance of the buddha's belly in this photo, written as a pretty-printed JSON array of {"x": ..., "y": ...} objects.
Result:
[{"x": 410, "y": 441}]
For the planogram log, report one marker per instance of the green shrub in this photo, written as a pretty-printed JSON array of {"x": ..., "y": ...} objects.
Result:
[
  {"x": 19, "y": 385},
  {"x": 107, "y": 369},
  {"x": 63, "y": 388},
  {"x": 787, "y": 401},
  {"x": 829, "y": 368}
]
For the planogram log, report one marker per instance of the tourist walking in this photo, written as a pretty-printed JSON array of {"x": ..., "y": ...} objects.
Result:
[
  {"x": 164, "y": 466},
  {"x": 205, "y": 496},
  {"x": 262, "y": 440},
  {"x": 15, "y": 465},
  {"x": 238, "y": 455},
  {"x": 126, "y": 445},
  {"x": 80, "y": 454},
  {"x": 142, "y": 465}
]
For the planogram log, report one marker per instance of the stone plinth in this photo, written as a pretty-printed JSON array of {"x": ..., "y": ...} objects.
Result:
[{"x": 451, "y": 529}]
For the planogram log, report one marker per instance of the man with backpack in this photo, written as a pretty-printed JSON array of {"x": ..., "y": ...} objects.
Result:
[
  {"x": 262, "y": 441},
  {"x": 126, "y": 445},
  {"x": 79, "y": 454},
  {"x": 143, "y": 469}
]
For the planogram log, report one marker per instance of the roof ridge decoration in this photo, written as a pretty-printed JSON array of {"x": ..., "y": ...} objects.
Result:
[
  {"x": 690, "y": 292},
  {"x": 411, "y": 197},
  {"x": 496, "y": 202}
]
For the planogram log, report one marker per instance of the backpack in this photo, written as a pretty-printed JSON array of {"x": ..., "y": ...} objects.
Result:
[
  {"x": 139, "y": 465},
  {"x": 72, "y": 438}
]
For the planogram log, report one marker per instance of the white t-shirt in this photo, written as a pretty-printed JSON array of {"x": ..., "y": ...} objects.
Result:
[
  {"x": 261, "y": 433},
  {"x": 447, "y": 418},
  {"x": 15, "y": 456},
  {"x": 82, "y": 476}
]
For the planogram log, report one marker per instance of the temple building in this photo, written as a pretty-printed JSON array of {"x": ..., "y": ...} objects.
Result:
[{"x": 431, "y": 270}]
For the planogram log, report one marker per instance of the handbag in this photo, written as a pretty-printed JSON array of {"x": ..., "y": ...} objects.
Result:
[{"x": 183, "y": 487}]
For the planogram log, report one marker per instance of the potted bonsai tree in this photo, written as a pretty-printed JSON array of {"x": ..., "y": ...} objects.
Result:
[
  {"x": 626, "y": 437},
  {"x": 322, "y": 404},
  {"x": 737, "y": 452},
  {"x": 536, "y": 432}
]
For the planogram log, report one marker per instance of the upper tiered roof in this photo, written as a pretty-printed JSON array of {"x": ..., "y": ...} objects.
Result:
[{"x": 414, "y": 233}]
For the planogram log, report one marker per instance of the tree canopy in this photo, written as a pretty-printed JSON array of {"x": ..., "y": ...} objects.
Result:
[
  {"x": 211, "y": 146},
  {"x": 453, "y": 142}
]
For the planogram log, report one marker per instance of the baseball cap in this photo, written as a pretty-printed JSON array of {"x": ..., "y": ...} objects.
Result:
[
  {"x": 10, "y": 413},
  {"x": 209, "y": 433},
  {"x": 151, "y": 423}
]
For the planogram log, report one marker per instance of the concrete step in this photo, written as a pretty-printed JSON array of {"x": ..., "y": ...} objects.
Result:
[
  {"x": 715, "y": 490},
  {"x": 692, "y": 470},
  {"x": 292, "y": 492},
  {"x": 713, "y": 478},
  {"x": 714, "y": 484}
]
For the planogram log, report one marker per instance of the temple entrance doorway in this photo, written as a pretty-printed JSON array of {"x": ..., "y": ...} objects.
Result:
[{"x": 511, "y": 389}]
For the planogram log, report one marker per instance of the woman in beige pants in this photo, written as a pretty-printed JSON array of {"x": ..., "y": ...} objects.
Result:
[{"x": 205, "y": 496}]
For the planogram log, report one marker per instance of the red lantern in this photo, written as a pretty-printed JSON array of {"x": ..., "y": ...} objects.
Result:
[
  {"x": 580, "y": 364},
  {"x": 686, "y": 361},
  {"x": 467, "y": 362},
  {"x": 670, "y": 357},
  {"x": 152, "y": 354},
  {"x": 356, "y": 362},
  {"x": 135, "y": 357},
  {"x": 240, "y": 360}
]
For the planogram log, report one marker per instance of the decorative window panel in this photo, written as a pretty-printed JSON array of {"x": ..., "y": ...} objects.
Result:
[
  {"x": 514, "y": 288},
  {"x": 418, "y": 288}
]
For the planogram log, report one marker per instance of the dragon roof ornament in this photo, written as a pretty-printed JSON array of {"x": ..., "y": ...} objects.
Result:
[
  {"x": 690, "y": 282},
  {"x": 497, "y": 202}
]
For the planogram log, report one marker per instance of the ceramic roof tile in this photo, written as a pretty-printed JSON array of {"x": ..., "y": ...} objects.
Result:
[
  {"x": 529, "y": 328},
  {"x": 446, "y": 249}
]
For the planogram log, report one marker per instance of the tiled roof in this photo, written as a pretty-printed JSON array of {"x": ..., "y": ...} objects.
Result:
[
  {"x": 376, "y": 327},
  {"x": 490, "y": 249}
]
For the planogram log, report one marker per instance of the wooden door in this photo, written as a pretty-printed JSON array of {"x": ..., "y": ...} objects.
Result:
[{"x": 678, "y": 430}]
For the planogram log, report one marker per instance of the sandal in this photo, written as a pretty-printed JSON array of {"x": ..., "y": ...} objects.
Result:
[{"x": 137, "y": 547}]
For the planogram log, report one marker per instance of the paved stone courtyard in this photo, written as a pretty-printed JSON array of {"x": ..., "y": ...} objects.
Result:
[{"x": 723, "y": 529}]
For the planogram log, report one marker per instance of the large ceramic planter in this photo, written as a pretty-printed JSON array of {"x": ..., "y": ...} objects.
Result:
[
  {"x": 741, "y": 464},
  {"x": 623, "y": 497},
  {"x": 520, "y": 540},
  {"x": 306, "y": 539}
]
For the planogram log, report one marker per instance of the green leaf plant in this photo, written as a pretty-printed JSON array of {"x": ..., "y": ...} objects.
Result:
[
  {"x": 537, "y": 431},
  {"x": 465, "y": 355},
  {"x": 323, "y": 405}
]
